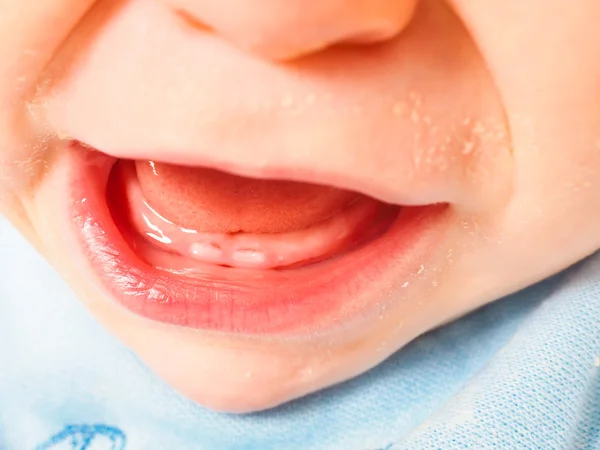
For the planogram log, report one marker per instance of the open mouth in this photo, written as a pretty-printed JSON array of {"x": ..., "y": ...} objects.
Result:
[{"x": 203, "y": 248}]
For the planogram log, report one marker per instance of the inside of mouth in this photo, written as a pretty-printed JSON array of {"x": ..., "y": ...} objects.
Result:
[{"x": 196, "y": 217}]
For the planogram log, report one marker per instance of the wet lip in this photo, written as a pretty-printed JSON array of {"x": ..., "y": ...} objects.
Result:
[{"x": 313, "y": 299}]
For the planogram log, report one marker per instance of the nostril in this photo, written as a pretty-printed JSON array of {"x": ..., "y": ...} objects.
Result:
[
  {"x": 373, "y": 35},
  {"x": 284, "y": 30},
  {"x": 193, "y": 22}
]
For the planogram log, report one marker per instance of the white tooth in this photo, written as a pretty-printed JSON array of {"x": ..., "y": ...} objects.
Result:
[
  {"x": 249, "y": 257},
  {"x": 206, "y": 252}
]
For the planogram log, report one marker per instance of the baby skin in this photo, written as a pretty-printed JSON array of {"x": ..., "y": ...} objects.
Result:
[{"x": 264, "y": 198}]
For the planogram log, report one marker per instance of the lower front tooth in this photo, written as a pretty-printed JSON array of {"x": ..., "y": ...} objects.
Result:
[
  {"x": 249, "y": 257},
  {"x": 215, "y": 253},
  {"x": 207, "y": 252}
]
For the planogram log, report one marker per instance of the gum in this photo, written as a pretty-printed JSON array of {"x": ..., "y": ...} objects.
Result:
[{"x": 249, "y": 250}]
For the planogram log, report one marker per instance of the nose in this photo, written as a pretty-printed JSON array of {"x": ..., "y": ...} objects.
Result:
[{"x": 287, "y": 29}]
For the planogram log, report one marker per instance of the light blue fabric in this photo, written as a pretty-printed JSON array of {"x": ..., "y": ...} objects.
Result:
[{"x": 521, "y": 373}]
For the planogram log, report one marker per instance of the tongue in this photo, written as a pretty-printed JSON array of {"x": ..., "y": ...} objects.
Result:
[{"x": 211, "y": 201}]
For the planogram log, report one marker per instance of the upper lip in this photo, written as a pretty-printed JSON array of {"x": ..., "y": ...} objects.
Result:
[{"x": 278, "y": 170}]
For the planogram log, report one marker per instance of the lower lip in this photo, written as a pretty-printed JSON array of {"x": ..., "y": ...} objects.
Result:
[{"x": 310, "y": 299}]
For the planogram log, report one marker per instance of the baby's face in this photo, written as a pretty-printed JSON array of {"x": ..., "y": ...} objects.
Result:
[{"x": 263, "y": 198}]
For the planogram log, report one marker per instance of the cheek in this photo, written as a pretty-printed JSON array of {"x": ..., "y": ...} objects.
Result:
[
  {"x": 27, "y": 45},
  {"x": 547, "y": 70},
  {"x": 557, "y": 153},
  {"x": 24, "y": 162},
  {"x": 553, "y": 219}
]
